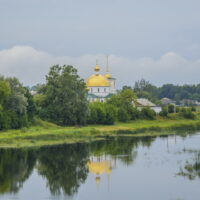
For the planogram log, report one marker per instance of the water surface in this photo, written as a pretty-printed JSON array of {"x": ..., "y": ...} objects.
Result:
[{"x": 156, "y": 168}]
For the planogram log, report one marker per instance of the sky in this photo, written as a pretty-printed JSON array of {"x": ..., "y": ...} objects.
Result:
[{"x": 153, "y": 39}]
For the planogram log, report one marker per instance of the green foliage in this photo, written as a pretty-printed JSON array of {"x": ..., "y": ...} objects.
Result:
[
  {"x": 187, "y": 113},
  {"x": 123, "y": 101},
  {"x": 164, "y": 112},
  {"x": 64, "y": 97},
  {"x": 147, "y": 113},
  {"x": 144, "y": 89},
  {"x": 193, "y": 109},
  {"x": 123, "y": 115},
  {"x": 111, "y": 114},
  {"x": 16, "y": 104},
  {"x": 134, "y": 113},
  {"x": 171, "y": 108},
  {"x": 4, "y": 90},
  {"x": 31, "y": 106},
  {"x": 101, "y": 113}
]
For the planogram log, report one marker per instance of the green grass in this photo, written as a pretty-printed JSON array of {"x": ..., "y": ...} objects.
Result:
[{"x": 45, "y": 133}]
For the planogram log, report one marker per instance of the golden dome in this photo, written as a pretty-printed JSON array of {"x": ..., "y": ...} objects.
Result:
[
  {"x": 97, "y": 80},
  {"x": 107, "y": 75},
  {"x": 99, "y": 167}
]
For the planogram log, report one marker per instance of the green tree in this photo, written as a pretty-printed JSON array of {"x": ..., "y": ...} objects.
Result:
[
  {"x": 4, "y": 91},
  {"x": 147, "y": 113},
  {"x": 65, "y": 101},
  {"x": 16, "y": 105},
  {"x": 124, "y": 101},
  {"x": 101, "y": 113}
]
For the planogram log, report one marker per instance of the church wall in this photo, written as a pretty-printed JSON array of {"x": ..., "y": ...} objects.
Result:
[
  {"x": 99, "y": 91},
  {"x": 112, "y": 86}
]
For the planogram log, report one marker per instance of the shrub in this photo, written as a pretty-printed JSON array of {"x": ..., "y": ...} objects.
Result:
[
  {"x": 147, "y": 113},
  {"x": 101, "y": 113},
  {"x": 97, "y": 114},
  {"x": 123, "y": 115},
  {"x": 188, "y": 114},
  {"x": 171, "y": 108},
  {"x": 134, "y": 113},
  {"x": 193, "y": 109},
  {"x": 177, "y": 109},
  {"x": 164, "y": 112},
  {"x": 111, "y": 114}
]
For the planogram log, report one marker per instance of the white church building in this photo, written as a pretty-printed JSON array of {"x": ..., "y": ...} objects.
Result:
[{"x": 100, "y": 87}]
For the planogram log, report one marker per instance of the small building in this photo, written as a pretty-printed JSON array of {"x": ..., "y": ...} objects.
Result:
[
  {"x": 143, "y": 103},
  {"x": 189, "y": 102},
  {"x": 166, "y": 101}
]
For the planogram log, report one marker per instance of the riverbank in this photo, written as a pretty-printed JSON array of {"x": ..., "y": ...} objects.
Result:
[{"x": 45, "y": 133}]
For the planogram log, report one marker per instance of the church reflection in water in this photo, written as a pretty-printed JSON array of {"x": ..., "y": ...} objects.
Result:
[
  {"x": 99, "y": 166},
  {"x": 65, "y": 168}
]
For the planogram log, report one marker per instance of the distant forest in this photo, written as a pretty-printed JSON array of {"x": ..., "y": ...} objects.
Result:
[{"x": 144, "y": 89}]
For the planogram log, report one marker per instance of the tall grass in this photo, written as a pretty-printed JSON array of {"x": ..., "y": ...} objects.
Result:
[{"x": 45, "y": 133}]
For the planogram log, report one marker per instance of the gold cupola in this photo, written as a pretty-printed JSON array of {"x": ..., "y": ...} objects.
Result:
[{"x": 97, "y": 80}]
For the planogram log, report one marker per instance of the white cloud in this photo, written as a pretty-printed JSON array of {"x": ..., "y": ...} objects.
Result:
[{"x": 31, "y": 66}]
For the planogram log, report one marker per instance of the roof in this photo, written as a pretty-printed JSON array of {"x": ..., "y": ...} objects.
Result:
[
  {"x": 97, "y": 80},
  {"x": 166, "y": 101},
  {"x": 144, "y": 102},
  {"x": 92, "y": 96}
]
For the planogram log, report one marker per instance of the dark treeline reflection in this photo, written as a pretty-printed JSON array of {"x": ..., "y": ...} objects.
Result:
[
  {"x": 122, "y": 148},
  {"x": 15, "y": 167},
  {"x": 64, "y": 166}
]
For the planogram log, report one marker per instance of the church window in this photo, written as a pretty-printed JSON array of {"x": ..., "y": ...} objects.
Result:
[{"x": 98, "y": 89}]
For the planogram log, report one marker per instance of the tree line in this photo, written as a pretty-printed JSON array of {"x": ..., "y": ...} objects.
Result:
[
  {"x": 62, "y": 100},
  {"x": 144, "y": 89}
]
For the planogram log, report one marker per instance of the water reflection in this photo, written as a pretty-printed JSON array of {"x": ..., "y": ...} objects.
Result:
[
  {"x": 63, "y": 167},
  {"x": 191, "y": 168},
  {"x": 15, "y": 167},
  {"x": 66, "y": 167}
]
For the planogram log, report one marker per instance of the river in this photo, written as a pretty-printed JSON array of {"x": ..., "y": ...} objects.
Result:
[{"x": 124, "y": 168}]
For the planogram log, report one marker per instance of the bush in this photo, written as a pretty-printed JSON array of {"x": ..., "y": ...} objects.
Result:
[
  {"x": 97, "y": 114},
  {"x": 147, "y": 113},
  {"x": 134, "y": 113},
  {"x": 171, "y": 108},
  {"x": 164, "y": 112},
  {"x": 188, "y": 114},
  {"x": 178, "y": 109},
  {"x": 193, "y": 109},
  {"x": 111, "y": 114},
  {"x": 123, "y": 115},
  {"x": 101, "y": 113}
]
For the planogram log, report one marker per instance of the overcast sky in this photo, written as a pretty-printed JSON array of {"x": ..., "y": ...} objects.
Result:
[{"x": 157, "y": 40}]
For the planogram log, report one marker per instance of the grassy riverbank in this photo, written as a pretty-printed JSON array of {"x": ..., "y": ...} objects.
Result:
[{"x": 45, "y": 133}]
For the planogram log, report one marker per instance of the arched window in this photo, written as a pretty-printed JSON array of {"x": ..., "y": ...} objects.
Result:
[
  {"x": 98, "y": 89},
  {"x": 104, "y": 89}
]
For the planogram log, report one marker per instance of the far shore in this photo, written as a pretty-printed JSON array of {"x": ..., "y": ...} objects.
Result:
[{"x": 45, "y": 133}]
